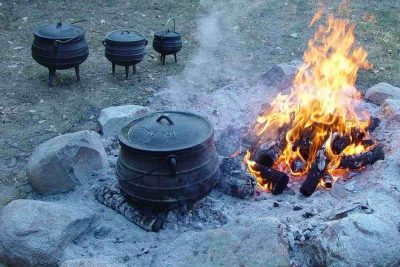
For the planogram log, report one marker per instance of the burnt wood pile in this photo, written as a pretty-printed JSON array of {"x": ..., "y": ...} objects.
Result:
[{"x": 266, "y": 154}]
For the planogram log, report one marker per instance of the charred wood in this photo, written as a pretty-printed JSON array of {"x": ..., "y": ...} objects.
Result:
[
  {"x": 241, "y": 185},
  {"x": 316, "y": 172},
  {"x": 363, "y": 159},
  {"x": 145, "y": 218},
  {"x": 277, "y": 179},
  {"x": 327, "y": 180},
  {"x": 269, "y": 152},
  {"x": 297, "y": 165},
  {"x": 374, "y": 123},
  {"x": 339, "y": 143}
]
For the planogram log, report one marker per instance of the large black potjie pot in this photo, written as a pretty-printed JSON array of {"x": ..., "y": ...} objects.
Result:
[
  {"x": 167, "y": 42},
  {"x": 167, "y": 159},
  {"x": 125, "y": 48},
  {"x": 60, "y": 46}
]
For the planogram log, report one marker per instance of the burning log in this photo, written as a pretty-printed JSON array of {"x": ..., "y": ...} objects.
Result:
[
  {"x": 363, "y": 159},
  {"x": 316, "y": 172},
  {"x": 145, "y": 218},
  {"x": 270, "y": 152},
  {"x": 339, "y": 143},
  {"x": 277, "y": 179}
]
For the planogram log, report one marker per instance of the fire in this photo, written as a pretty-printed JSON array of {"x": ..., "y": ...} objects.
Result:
[{"x": 321, "y": 105}]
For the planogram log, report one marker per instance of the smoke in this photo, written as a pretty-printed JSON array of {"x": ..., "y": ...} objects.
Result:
[{"x": 219, "y": 58}]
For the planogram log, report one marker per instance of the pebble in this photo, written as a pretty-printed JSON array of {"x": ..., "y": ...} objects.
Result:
[
  {"x": 308, "y": 214},
  {"x": 275, "y": 204},
  {"x": 297, "y": 207}
]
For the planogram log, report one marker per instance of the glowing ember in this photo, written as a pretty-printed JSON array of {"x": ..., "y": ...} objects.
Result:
[{"x": 320, "y": 110}]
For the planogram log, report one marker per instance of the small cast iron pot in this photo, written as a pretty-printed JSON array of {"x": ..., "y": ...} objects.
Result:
[
  {"x": 60, "y": 46},
  {"x": 125, "y": 48},
  {"x": 167, "y": 42},
  {"x": 167, "y": 159}
]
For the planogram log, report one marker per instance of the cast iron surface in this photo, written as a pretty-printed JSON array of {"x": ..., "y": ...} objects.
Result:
[
  {"x": 59, "y": 46},
  {"x": 154, "y": 168},
  {"x": 167, "y": 42},
  {"x": 125, "y": 48}
]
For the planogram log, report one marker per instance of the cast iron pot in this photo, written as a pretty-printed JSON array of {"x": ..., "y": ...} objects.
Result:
[
  {"x": 167, "y": 42},
  {"x": 125, "y": 48},
  {"x": 60, "y": 46},
  {"x": 167, "y": 159}
]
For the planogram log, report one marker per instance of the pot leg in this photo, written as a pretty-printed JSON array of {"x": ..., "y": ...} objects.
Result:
[
  {"x": 126, "y": 72},
  {"x": 78, "y": 76},
  {"x": 163, "y": 59},
  {"x": 52, "y": 73},
  {"x": 176, "y": 61},
  {"x": 134, "y": 69},
  {"x": 113, "y": 68}
]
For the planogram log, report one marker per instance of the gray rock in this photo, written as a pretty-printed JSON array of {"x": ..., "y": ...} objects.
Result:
[
  {"x": 35, "y": 233},
  {"x": 391, "y": 109},
  {"x": 247, "y": 243},
  {"x": 281, "y": 76},
  {"x": 91, "y": 262},
  {"x": 381, "y": 91},
  {"x": 63, "y": 162},
  {"x": 112, "y": 119},
  {"x": 360, "y": 239}
]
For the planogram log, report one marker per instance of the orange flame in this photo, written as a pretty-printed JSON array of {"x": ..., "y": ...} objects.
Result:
[{"x": 322, "y": 100}]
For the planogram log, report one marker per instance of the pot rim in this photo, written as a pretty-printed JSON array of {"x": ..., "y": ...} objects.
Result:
[
  {"x": 107, "y": 39},
  {"x": 124, "y": 141},
  {"x": 36, "y": 34}
]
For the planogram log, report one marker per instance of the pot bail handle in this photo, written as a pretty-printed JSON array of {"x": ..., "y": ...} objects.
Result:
[
  {"x": 166, "y": 24},
  {"x": 166, "y": 118}
]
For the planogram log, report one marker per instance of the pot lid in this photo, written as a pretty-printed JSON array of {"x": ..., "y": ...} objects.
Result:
[
  {"x": 58, "y": 31},
  {"x": 130, "y": 36},
  {"x": 168, "y": 34},
  {"x": 166, "y": 131}
]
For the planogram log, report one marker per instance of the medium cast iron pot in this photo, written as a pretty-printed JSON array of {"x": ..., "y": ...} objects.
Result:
[
  {"x": 167, "y": 42},
  {"x": 125, "y": 48},
  {"x": 60, "y": 46},
  {"x": 167, "y": 159}
]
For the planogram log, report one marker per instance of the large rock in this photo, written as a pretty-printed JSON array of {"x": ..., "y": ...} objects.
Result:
[
  {"x": 249, "y": 243},
  {"x": 112, "y": 119},
  {"x": 63, "y": 162},
  {"x": 381, "y": 91},
  {"x": 35, "y": 233},
  {"x": 391, "y": 109},
  {"x": 281, "y": 76},
  {"x": 360, "y": 239}
]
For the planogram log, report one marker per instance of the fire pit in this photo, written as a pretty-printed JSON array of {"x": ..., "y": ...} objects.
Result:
[{"x": 316, "y": 133}]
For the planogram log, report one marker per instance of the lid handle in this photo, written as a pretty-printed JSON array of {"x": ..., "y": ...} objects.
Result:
[
  {"x": 124, "y": 32},
  {"x": 58, "y": 24},
  {"x": 168, "y": 23},
  {"x": 166, "y": 118}
]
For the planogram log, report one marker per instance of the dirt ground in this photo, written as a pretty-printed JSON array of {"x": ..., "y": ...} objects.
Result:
[{"x": 31, "y": 112}]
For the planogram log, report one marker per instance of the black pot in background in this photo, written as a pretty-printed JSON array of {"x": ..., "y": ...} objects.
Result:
[
  {"x": 167, "y": 42},
  {"x": 167, "y": 159},
  {"x": 125, "y": 48},
  {"x": 60, "y": 46}
]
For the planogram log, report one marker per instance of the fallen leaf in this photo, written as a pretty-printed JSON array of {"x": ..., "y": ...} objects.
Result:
[
  {"x": 18, "y": 48},
  {"x": 102, "y": 21},
  {"x": 294, "y": 35}
]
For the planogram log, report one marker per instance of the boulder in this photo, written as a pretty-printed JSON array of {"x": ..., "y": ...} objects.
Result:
[
  {"x": 247, "y": 243},
  {"x": 63, "y": 162},
  {"x": 91, "y": 262},
  {"x": 381, "y": 91},
  {"x": 280, "y": 76},
  {"x": 112, "y": 119},
  {"x": 35, "y": 233},
  {"x": 359, "y": 239},
  {"x": 391, "y": 109}
]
